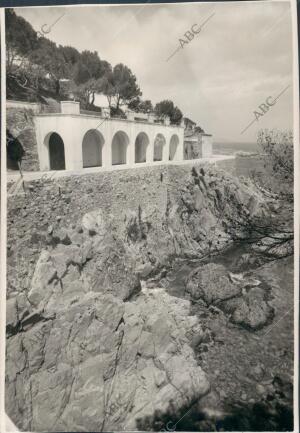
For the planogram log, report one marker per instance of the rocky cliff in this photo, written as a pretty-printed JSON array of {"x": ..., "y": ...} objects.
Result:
[{"x": 90, "y": 347}]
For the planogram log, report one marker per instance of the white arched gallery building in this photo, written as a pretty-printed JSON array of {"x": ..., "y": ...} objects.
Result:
[{"x": 74, "y": 140}]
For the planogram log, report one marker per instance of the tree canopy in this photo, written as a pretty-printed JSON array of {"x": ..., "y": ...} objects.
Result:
[
  {"x": 39, "y": 65},
  {"x": 89, "y": 66},
  {"x": 167, "y": 108},
  {"x": 277, "y": 153},
  {"x": 141, "y": 106},
  {"x": 21, "y": 39},
  {"x": 32, "y": 60},
  {"x": 271, "y": 234},
  {"x": 120, "y": 86}
]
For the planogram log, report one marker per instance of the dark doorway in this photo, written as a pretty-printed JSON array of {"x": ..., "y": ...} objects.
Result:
[
  {"x": 56, "y": 152},
  {"x": 14, "y": 151}
]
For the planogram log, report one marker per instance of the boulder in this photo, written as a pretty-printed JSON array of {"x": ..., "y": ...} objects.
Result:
[
  {"x": 94, "y": 223},
  {"x": 211, "y": 283},
  {"x": 251, "y": 311}
]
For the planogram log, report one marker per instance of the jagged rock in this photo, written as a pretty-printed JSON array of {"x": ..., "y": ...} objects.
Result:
[
  {"x": 99, "y": 264},
  {"x": 101, "y": 364},
  {"x": 43, "y": 280},
  {"x": 87, "y": 360},
  {"x": 211, "y": 283}
]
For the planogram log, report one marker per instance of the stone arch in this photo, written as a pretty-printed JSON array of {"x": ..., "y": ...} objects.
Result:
[
  {"x": 92, "y": 144},
  {"x": 159, "y": 144},
  {"x": 56, "y": 151},
  {"x": 174, "y": 143},
  {"x": 119, "y": 146},
  {"x": 141, "y": 145}
]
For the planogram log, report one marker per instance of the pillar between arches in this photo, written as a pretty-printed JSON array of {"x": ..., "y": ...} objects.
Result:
[{"x": 166, "y": 149}]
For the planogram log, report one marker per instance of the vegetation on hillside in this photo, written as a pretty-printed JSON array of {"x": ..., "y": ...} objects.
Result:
[
  {"x": 37, "y": 68},
  {"x": 167, "y": 108},
  {"x": 272, "y": 234},
  {"x": 277, "y": 153}
]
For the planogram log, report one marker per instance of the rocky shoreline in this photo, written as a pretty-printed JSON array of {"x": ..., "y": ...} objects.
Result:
[
  {"x": 105, "y": 336},
  {"x": 249, "y": 369}
]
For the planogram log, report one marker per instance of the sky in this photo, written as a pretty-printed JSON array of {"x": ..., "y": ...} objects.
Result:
[{"x": 241, "y": 56}]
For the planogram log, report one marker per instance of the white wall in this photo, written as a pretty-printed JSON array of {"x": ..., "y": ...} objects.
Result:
[
  {"x": 91, "y": 150},
  {"x": 72, "y": 129},
  {"x": 207, "y": 146}
]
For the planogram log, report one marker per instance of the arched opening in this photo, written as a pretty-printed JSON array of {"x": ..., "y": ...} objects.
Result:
[
  {"x": 56, "y": 152},
  {"x": 119, "y": 148},
  {"x": 159, "y": 144},
  {"x": 173, "y": 147},
  {"x": 14, "y": 151},
  {"x": 141, "y": 144},
  {"x": 92, "y": 149}
]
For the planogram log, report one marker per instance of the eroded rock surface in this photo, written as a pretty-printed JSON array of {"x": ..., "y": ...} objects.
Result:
[
  {"x": 100, "y": 363},
  {"x": 86, "y": 358},
  {"x": 87, "y": 348}
]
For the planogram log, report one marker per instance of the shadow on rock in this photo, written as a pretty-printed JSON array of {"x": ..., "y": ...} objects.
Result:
[{"x": 271, "y": 413}]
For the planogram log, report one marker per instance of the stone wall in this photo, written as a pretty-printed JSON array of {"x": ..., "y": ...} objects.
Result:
[{"x": 20, "y": 124}]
